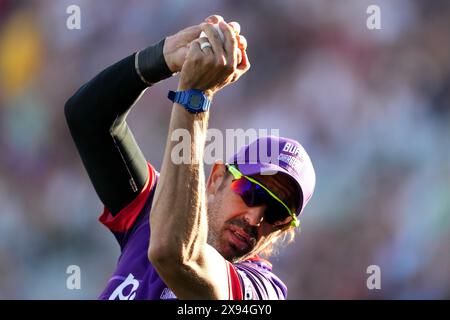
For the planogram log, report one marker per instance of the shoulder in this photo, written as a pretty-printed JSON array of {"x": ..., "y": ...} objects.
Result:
[{"x": 257, "y": 281}]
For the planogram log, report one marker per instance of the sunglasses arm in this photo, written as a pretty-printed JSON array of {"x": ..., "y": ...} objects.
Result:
[{"x": 238, "y": 175}]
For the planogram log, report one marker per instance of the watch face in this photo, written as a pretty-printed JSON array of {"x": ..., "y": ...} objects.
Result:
[{"x": 195, "y": 101}]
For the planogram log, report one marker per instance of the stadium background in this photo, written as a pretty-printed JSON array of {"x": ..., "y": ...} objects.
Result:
[{"x": 372, "y": 108}]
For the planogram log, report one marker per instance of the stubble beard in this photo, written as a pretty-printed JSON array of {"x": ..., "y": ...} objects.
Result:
[{"x": 214, "y": 231}]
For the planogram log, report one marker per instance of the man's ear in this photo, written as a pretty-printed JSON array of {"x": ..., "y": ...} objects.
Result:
[{"x": 216, "y": 177}]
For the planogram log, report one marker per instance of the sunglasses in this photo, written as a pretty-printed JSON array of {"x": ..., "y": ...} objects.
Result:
[{"x": 253, "y": 193}]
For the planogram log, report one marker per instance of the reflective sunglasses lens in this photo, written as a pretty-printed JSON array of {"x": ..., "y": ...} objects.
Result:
[{"x": 254, "y": 195}]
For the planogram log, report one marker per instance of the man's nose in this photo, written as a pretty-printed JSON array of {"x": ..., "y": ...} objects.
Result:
[{"x": 255, "y": 215}]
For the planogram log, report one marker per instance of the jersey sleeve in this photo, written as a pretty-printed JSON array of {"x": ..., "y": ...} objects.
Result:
[
  {"x": 234, "y": 283},
  {"x": 122, "y": 224},
  {"x": 254, "y": 280}
]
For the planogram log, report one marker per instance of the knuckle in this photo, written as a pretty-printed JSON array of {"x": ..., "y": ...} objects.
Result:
[
  {"x": 220, "y": 63},
  {"x": 229, "y": 68}
]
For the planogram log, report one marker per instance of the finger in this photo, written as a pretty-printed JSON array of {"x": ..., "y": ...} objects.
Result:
[
  {"x": 190, "y": 33},
  {"x": 242, "y": 42},
  {"x": 236, "y": 26},
  {"x": 214, "y": 39},
  {"x": 245, "y": 63},
  {"x": 194, "y": 50},
  {"x": 214, "y": 19},
  {"x": 230, "y": 44},
  {"x": 205, "y": 49},
  {"x": 202, "y": 33}
]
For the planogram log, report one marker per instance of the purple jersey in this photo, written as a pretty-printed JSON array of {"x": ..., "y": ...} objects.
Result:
[{"x": 136, "y": 278}]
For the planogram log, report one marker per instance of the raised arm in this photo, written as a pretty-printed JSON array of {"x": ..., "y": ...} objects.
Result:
[
  {"x": 178, "y": 247},
  {"x": 96, "y": 116}
]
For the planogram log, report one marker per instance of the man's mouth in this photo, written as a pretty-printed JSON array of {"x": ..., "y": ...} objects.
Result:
[{"x": 241, "y": 239}]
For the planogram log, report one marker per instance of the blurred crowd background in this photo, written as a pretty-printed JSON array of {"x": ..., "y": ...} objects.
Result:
[{"x": 372, "y": 107}]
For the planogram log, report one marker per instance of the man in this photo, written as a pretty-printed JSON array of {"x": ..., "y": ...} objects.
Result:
[{"x": 179, "y": 237}]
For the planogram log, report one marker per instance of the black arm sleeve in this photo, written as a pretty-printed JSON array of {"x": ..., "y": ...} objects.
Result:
[{"x": 96, "y": 116}]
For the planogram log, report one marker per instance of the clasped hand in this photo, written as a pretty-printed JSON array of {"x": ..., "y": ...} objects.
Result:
[{"x": 213, "y": 67}]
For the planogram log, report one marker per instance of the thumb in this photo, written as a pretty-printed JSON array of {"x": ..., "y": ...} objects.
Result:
[{"x": 190, "y": 33}]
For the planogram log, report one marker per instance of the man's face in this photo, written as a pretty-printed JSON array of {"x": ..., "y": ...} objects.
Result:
[{"x": 235, "y": 230}]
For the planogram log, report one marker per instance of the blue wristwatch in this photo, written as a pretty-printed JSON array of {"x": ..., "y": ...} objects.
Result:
[{"x": 195, "y": 101}]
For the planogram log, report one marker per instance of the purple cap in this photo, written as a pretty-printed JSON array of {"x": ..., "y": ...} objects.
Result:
[{"x": 272, "y": 154}]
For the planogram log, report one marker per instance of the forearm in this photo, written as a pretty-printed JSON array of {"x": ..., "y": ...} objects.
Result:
[{"x": 178, "y": 217}]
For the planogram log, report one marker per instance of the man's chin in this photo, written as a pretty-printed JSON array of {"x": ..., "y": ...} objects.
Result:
[{"x": 231, "y": 253}]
